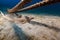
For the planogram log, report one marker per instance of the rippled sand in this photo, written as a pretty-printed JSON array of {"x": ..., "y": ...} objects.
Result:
[{"x": 40, "y": 28}]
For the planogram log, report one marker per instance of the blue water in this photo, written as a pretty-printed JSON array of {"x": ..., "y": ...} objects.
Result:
[{"x": 53, "y": 9}]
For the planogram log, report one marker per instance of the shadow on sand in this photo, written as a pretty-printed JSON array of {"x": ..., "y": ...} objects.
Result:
[
  {"x": 20, "y": 34},
  {"x": 45, "y": 25}
]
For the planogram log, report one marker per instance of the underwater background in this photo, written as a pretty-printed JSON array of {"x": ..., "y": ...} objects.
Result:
[{"x": 53, "y": 9}]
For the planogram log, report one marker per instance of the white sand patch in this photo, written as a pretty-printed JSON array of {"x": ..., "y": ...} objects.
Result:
[{"x": 40, "y": 28}]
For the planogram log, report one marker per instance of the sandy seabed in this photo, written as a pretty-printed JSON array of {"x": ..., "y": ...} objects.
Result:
[{"x": 40, "y": 28}]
